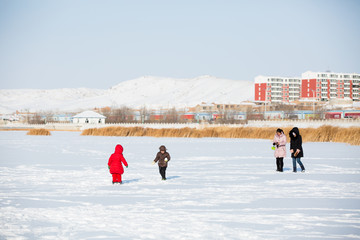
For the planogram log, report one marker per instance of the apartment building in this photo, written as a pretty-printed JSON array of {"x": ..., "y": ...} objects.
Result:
[
  {"x": 324, "y": 86},
  {"x": 277, "y": 89}
]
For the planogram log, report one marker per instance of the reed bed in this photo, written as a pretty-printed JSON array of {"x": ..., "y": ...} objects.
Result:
[
  {"x": 42, "y": 132},
  {"x": 321, "y": 134}
]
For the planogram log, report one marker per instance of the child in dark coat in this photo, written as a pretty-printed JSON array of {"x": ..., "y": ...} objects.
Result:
[
  {"x": 162, "y": 157},
  {"x": 115, "y": 163}
]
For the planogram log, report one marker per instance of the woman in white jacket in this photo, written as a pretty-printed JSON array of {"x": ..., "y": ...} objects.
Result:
[{"x": 280, "y": 149}]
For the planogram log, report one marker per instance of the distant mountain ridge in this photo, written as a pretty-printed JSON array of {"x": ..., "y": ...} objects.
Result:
[{"x": 153, "y": 92}]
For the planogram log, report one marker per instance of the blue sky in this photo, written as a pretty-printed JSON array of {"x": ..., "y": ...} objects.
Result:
[{"x": 97, "y": 44}]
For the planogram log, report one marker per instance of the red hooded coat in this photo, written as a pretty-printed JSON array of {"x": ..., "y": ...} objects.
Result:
[{"x": 116, "y": 159}]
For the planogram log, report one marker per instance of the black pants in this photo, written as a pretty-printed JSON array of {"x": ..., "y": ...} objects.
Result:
[
  {"x": 279, "y": 164},
  {"x": 162, "y": 171}
]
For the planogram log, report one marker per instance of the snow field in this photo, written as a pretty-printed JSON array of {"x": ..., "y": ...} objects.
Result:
[{"x": 59, "y": 187}]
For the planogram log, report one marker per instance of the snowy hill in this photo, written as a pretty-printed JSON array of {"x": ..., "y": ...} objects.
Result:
[{"x": 153, "y": 92}]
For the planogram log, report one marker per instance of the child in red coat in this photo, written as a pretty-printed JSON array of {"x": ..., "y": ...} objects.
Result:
[{"x": 115, "y": 163}]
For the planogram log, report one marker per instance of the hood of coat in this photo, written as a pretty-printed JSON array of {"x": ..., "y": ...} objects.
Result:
[
  {"x": 162, "y": 148},
  {"x": 296, "y": 131},
  {"x": 119, "y": 149}
]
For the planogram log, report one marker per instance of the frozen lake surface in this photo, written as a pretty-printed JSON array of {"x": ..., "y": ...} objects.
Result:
[{"x": 59, "y": 187}]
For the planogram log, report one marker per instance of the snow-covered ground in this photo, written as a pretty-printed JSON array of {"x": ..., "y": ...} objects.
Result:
[{"x": 59, "y": 187}]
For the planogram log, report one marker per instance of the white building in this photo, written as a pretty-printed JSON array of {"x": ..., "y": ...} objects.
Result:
[
  {"x": 277, "y": 89},
  {"x": 89, "y": 117}
]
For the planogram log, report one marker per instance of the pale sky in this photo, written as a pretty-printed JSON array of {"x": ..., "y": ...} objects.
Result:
[{"x": 46, "y": 44}]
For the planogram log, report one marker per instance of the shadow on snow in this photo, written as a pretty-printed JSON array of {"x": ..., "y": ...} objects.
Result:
[
  {"x": 132, "y": 180},
  {"x": 172, "y": 177}
]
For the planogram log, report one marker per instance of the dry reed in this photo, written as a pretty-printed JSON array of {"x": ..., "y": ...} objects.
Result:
[
  {"x": 321, "y": 134},
  {"x": 43, "y": 132}
]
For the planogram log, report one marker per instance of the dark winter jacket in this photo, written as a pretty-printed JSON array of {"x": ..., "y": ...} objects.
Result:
[
  {"x": 116, "y": 161},
  {"x": 160, "y": 157},
  {"x": 296, "y": 143}
]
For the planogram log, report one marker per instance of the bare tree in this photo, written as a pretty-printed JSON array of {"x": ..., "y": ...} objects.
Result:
[
  {"x": 36, "y": 119},
  {"x": 48, "y": 116},
  {"x": 171, "y": 116},
  {"x": 252, "y": 115},
  {"x": 144, "y": 114},
  {"x": 119, "y": 115}
]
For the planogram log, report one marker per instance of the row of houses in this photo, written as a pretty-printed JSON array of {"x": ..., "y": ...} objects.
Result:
[
  {"x": 202, "y": 112},
  {"x": 91, "y": 117},
  {"x": 269, "y": 115},
  {"x": 96, "y": 118}
]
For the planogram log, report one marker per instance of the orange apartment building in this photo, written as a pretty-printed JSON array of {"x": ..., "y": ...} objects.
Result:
[
  {"x": 325, "y": 86},
  {"x": 319, "y": 86}
]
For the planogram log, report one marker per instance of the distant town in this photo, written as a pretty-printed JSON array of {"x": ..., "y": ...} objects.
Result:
[{"x": 314, "y": 95}]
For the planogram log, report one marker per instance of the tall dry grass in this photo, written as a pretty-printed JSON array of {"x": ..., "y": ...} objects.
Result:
[
  {"x": 43, "y": 132},
  {"x": 322, "y": 134}
]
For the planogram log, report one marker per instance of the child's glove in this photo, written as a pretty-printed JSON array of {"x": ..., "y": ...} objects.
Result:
[
  {"x": 109, "y": 167},
  {"x": 166, "y": 159},
  {"x": 127, "y": 166},
  {"x": 153, "y": 162}
]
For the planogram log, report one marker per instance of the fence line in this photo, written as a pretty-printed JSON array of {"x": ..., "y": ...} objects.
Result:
[
  {"x": 302, "y": 123},
  {"x": 305, "y": 123}
]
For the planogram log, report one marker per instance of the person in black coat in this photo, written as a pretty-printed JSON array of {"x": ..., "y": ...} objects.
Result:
[{"x": 296, "y": 148}]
